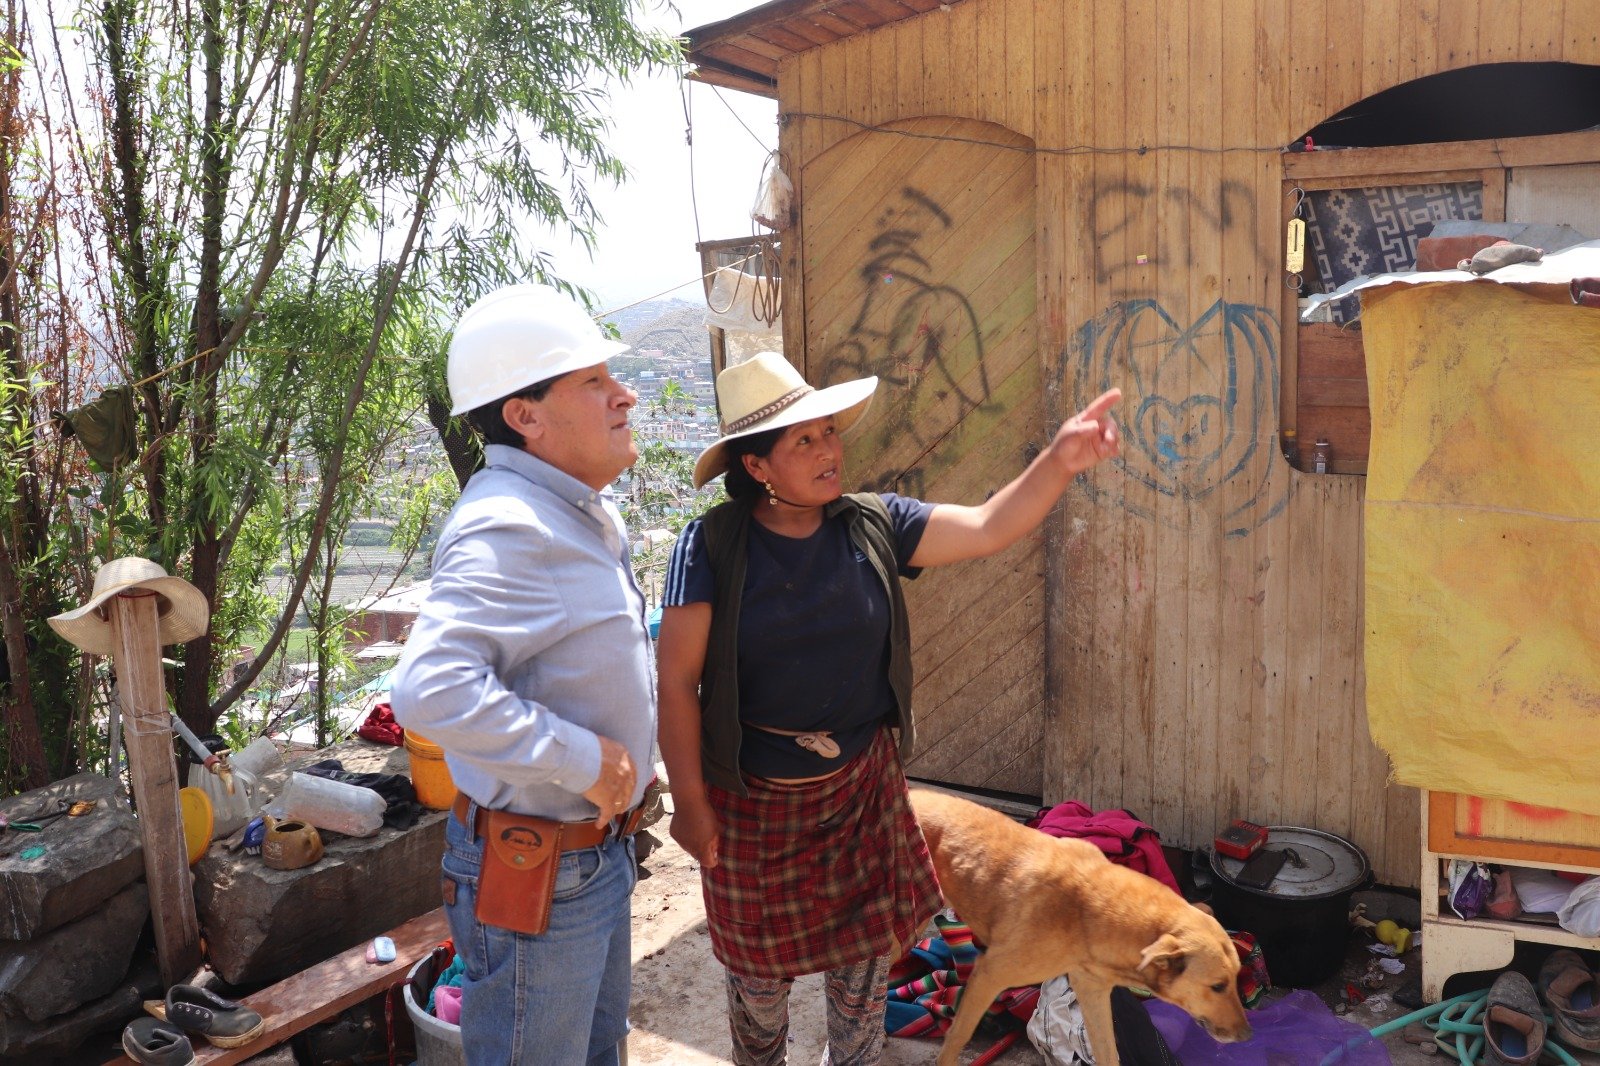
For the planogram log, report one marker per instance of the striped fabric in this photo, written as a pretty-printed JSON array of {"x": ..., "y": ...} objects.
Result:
[
  {"x": 818, "y": 876},
  {"x": 925, "y": 986}
]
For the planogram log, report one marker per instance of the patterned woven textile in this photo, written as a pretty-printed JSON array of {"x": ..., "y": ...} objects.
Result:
[
  {"x": 818, "y": 876},
  {"x": 1355, "y": 232},
  {"x": 1254, "y": 981},
  {"x": 925, "y": 987}
]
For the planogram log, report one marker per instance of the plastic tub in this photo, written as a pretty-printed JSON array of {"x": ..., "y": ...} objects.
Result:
[
  {"x": 429, "y": 774},
  {"x": 438, "y": 1043}
]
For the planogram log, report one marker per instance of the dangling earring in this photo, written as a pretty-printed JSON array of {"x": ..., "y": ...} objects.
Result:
[{"x": 772, "y": 494}]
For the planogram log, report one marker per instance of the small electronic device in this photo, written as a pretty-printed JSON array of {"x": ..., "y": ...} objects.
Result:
[
  {"x": 380, "y": 950},
  {"x": 1241, "y": 840},
  {"x": 1260, "y": 870}
]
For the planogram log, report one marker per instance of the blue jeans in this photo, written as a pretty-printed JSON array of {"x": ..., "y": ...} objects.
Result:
[{"x": 559, "y": 998}]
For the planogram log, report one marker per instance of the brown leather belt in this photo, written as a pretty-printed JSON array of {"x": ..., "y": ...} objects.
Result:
[{"x": 570, "y": 836}]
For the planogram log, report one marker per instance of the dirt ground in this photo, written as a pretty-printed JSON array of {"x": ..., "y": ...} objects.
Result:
[{"x": 679, "y": 1010}]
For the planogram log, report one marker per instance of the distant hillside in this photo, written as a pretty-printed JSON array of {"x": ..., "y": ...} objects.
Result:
[
  {"x": 679, "y": 330},
  {"x": 632, "y": 319}
]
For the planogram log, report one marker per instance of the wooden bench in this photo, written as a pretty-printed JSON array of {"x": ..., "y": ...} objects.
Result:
[{"x": 319, "y": 993}]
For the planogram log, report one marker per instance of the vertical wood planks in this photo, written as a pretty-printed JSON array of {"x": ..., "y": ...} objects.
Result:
[
  {"x": 1165, "y": 238},
  {"x": 1337, "y": 703},
  {"x": 1458, "y": 33},
  {"x": 1308, "y": 85},
  {"x": 1072, "y": 569},
  {"x": 1380, "y": 58},
  {"x": 797, "y": 142},
  {"x": 1017, "y": 74},
  {"x": 1212, "y": 690},
  {"x": 153, "y": 772},
  {"x": 1581, "y": 33},
  {"x": 1173, "y": 652},
  {"x": 993, "y": 78}
]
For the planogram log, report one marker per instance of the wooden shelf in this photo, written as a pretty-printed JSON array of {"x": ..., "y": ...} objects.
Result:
[
  {"x": 1537, "y": 932},
  {"x": 1452, "y": 945}
]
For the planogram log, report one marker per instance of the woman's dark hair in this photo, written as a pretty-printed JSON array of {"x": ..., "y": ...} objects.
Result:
[
  {"x": 737, "y": 482},
  {"x": 489, "y": 420}
]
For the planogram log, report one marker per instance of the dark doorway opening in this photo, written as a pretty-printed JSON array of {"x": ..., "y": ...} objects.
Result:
[{"x": 1471, "y": 104}]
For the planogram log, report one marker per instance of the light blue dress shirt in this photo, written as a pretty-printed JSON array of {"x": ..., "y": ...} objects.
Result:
[{"x": 532, "y": 642}]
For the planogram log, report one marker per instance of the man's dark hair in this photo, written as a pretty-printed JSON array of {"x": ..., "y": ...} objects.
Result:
[
  {"x": 737, "y": 482},
  {"x": 489, "y": 420}
]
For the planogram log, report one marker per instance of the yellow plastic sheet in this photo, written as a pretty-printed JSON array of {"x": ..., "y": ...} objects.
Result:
[{"x": 1483, "y": 540}]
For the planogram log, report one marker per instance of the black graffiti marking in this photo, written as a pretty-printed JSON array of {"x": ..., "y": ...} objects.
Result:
[
  {"x": 916, "y": 350},
  {"x": 1187, "y": 444},
  {"x": 1116, "y": 205},
  {"x": 912, "y": 482}
]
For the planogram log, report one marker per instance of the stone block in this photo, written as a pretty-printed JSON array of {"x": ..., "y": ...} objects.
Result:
[
  {"x": 263, "y": 925},
  {"x": 23, "y": 1041},
  {"x": 74, "y": 963},
  {"x": 85, "y": 862}
]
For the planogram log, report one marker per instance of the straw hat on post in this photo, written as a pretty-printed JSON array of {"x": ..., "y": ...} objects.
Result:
[
  {"x": 181, "y": 609},
  {"x": 765, "y": 392}
]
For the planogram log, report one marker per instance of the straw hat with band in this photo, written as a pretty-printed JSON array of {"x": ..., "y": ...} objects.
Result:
[
  {"x": 765, "y": 392},
  {"x": 181, "y": 608}
]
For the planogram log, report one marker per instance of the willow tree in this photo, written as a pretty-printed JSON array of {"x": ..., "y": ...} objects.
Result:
[{"x": 288, "y": 202}]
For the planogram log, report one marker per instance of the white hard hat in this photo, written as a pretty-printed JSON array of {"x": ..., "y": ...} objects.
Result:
[{"x": 518, "y": 336}]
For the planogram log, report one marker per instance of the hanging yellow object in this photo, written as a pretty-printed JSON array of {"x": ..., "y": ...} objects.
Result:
[
  {"x": 1295, "y": 256},
  {"x": 195, "y": 806},
  {"x": 1482, "y": 534}
]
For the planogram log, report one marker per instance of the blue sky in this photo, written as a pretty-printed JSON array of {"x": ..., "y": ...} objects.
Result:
[{"x": 646, "y": 241}]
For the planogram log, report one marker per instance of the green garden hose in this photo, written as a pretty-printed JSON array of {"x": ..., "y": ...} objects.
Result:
[{"x": 1456, "y": 1016}]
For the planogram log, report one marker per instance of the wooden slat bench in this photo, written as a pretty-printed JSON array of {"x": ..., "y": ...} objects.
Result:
[{"x": 316, "y": 994}]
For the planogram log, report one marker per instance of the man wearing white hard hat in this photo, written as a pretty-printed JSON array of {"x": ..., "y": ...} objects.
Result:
[{"x": 529, "y": 664}]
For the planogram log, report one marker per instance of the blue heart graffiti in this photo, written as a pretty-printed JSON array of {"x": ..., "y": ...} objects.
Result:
[{"x": 1201, "y": 403}]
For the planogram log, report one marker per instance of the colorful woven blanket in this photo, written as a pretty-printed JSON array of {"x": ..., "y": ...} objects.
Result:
[{"x": 925, "y": 986}]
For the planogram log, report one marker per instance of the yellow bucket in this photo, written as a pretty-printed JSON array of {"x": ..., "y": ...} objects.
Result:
[{"x": 429, "y": 775}]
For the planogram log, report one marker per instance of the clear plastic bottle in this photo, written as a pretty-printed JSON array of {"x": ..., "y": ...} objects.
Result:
[
  {"x": 332, "y": 805},
  {"x": 260, "y": 756},
  {"x": 1319, "y": 461}
]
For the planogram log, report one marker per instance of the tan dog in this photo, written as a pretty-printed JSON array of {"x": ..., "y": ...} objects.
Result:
[{"x": 1046, "y": 906}]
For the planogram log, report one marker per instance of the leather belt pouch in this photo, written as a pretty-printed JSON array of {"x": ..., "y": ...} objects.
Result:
[{"x": 518, "y": 875}]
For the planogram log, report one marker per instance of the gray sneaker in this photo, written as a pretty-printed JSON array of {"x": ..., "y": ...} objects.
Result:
[
  {"x": 1574, "y": 997},
  {"x": 1513, "y": 1022}
]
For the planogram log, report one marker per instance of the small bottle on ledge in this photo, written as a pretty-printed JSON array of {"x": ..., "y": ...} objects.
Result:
[
  {"x": 1319, "y": 460},
  {"x": 1291, "y": 448}
]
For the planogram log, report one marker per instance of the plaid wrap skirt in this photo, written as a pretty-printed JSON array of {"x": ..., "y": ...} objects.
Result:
[{"x": 817, "y": 876}]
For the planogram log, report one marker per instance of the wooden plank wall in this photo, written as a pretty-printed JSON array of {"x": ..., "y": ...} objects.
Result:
[
  {"x": 1204, "y": 616},
  {"x": 928, "y": 281}
]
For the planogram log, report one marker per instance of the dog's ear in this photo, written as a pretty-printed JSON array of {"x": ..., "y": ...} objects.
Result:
[{"x": 1166, "y": 953}]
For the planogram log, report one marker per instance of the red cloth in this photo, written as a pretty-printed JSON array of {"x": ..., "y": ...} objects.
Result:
[
  {"x": 1125, "y": 840},
  {"x": 816, "y": 876},
  {"x": 381, "y": 728}
]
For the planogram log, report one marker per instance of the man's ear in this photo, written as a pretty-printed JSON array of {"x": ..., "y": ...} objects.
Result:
[{"x": 523, "y": 416}]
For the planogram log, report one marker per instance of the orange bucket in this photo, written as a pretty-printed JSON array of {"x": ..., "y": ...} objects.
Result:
[{"x": 429, "y": 774}]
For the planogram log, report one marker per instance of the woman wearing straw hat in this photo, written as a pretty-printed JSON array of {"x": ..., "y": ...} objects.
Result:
[{"x": 785, "y": 673}]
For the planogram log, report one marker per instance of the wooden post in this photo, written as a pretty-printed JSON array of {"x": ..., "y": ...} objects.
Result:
[{"x": 136, "y": 651}]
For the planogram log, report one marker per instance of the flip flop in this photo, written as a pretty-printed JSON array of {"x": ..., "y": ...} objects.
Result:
[
  {"x": 222, "y": 1021},
  {"x": 156, "y": 1043},
  {"x": 1573, "y": 994}
]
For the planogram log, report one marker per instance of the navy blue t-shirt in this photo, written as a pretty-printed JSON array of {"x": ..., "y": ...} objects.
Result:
[{"x": 813, "y": 635}]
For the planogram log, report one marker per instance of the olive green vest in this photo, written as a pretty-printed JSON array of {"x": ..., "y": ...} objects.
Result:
[{"x": 727, "y": 532}]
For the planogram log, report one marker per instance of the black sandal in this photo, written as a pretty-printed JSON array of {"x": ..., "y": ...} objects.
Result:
[{"x": 156, "y": 1043}]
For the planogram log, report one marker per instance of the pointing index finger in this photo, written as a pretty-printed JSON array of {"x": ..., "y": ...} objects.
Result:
[{"x": 1101, "y": 404}]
